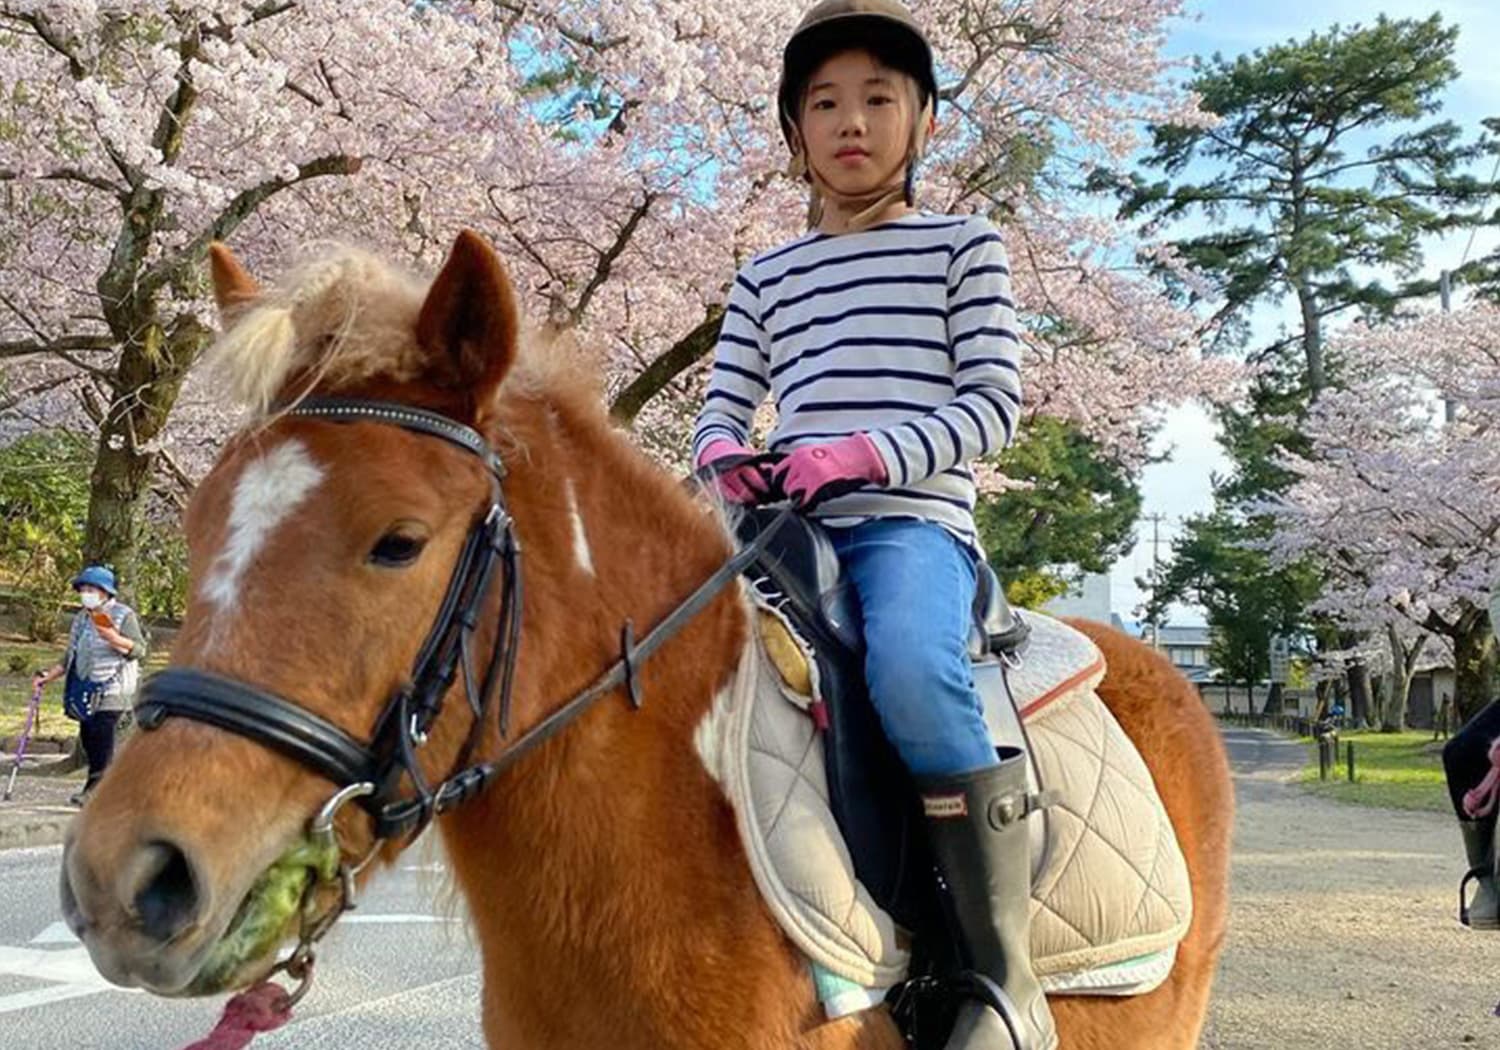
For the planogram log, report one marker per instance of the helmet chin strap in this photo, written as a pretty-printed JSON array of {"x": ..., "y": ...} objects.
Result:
[{"x": 865, "y": 209}]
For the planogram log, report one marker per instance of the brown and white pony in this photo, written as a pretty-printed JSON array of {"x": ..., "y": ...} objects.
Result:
[{"x": 603, "y": 873}]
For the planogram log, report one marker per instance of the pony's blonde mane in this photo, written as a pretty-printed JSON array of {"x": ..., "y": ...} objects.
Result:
[{"x": 341, "y": 314}]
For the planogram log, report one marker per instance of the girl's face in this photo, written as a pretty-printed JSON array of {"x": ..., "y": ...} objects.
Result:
[
  {"x": 856, "y": 123},
  {"x": 91, "y": 597}
]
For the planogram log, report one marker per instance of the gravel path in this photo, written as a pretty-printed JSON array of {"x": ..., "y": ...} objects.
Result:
[{"x": 1341, "y": 930}]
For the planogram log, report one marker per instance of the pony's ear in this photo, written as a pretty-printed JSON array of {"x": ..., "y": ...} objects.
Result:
[
  {"x": 234, "y": 288},
  {"x": 469, "y": 323}
]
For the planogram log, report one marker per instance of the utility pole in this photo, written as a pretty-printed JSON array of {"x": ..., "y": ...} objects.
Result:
[
  {"x": 1445, "y": 291},
  {"x": 1155, "y": 520}
]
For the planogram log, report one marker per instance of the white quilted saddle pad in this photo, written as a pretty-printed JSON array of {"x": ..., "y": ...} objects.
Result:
[{"x": 1110, "y": 887}]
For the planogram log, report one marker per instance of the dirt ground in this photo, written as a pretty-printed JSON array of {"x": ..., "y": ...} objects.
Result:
[{"x": 1342, "y": 930}]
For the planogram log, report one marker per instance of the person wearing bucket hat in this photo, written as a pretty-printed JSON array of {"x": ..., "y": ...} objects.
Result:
[
  {"x": 101, "y": 666},
  {"x": 888, "y": 339}
]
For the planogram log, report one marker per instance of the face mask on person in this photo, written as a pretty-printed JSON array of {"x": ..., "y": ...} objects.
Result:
[{"x": 91, "y": 599}]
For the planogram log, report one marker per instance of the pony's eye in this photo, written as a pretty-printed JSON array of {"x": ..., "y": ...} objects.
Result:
[{"x": 397, "y": 550}]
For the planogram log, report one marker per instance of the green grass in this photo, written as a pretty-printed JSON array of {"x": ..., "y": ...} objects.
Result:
[
  {"x": 15, "y": 689},
  {"x": 1394, "y": 770}
]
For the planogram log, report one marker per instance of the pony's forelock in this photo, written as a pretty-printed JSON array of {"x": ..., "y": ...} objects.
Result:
[{"x": 341, "y": 315}]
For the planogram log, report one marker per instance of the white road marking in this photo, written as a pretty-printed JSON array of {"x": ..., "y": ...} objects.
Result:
[{"x": 70, "y": 973}]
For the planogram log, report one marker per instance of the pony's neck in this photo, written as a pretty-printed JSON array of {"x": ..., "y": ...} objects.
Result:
[{"x": 604, "y": 872}]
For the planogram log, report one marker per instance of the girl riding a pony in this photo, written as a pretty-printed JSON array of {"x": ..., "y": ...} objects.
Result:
[{"x": 887, "y": 337}]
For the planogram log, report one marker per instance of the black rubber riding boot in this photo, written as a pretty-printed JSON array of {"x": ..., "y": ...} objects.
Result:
[
  {"x": 1483, "y": 912},
  {"x": 977, "y": 822}
]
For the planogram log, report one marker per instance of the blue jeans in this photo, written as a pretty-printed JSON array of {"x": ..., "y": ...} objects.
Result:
[{"x": 916, "y": 587}]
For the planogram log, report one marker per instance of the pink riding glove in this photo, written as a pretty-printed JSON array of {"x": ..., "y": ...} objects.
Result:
[
  {"x": 739, "y": 484},
  {"x": 816, "y": 472}
]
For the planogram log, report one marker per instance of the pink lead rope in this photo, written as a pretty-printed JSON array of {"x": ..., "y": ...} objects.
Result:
[
  {"x": 1480, "y": 801},
  {"x": 262, "y": 1008}
]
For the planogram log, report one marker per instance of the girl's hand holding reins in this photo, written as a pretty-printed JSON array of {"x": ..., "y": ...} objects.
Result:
[
  {"x": 814, "y": 473},
  {"x": 747, "y": 481}
]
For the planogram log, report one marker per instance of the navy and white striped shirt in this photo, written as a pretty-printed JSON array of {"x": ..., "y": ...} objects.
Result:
[{"x": 906, "y": 331}]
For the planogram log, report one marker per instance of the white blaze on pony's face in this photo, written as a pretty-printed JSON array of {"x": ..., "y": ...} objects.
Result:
[
  {"x": 581, "y": 551},
  {"x": 329, "y": 546},
  {"x": 267, "y": 493}
]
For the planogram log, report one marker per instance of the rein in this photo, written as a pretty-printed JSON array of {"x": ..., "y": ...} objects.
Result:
[{"x": 373, "y": 773}]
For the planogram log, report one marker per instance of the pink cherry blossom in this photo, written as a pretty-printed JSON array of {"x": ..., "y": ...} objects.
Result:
[{"x": 623, "y": 210}]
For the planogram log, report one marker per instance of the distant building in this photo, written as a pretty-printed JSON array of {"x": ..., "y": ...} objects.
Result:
[
  {"x": 1434, "y": 681},
  {"x": 1188, "y": 649},
  {"x": 1088, "y": 600}
]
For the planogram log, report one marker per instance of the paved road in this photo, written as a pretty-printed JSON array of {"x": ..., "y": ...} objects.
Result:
[
  {"x": 1341, "y": 935},
  {"x": 394, "y": 974},
  {"x": 1341, "y": 930}
]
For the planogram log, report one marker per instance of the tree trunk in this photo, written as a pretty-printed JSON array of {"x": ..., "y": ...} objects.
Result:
[
  {"x": 1474, "y": 664},
  {"x": 685, "y": 353},
  {"x": 1359, "y": 694},
  {"x": 1312, "y": 338},
  {"x": 1403, "y": 668},
  {"x": 146, "y": 384},
  {"x": 1301, "y": 282}
]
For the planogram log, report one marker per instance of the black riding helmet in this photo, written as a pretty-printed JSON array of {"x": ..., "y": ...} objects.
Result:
[{"x": 884, "y": 27}]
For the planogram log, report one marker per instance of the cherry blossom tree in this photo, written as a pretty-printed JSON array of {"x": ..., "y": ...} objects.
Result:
[
  {"x": 624, "y": 156},
  {"x": 1399, "y": 501}
]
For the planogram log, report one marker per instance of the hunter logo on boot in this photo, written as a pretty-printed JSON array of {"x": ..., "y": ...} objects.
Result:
[{"x": 945, "y": 807}]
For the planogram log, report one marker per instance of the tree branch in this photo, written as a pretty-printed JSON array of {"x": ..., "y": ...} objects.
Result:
[
  {"x": 32, "y": 391},
  {"x": 685, "y": 353},
  {"x": 53, "y": 38},
  {"x": 168, "y": 136},
  {"x": 241, "y": 208},
  {"x": 63, "y": 345},
  {"x": 609, "y": 255},
  {"x": 173, "y": 468},
  {"x": 66, "y": 175},
  {"x": 588, "y": 40}
]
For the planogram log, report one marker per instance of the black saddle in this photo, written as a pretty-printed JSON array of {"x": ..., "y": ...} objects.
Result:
[
  {"x": 801, "y": 562},
  {"x": 872, "y": 795}
]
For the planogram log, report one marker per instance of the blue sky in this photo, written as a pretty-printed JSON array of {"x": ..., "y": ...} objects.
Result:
[{"x": 1180, "y": 487}]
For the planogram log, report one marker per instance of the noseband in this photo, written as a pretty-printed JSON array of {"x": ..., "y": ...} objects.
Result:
[{"x": 390, "y": 758}]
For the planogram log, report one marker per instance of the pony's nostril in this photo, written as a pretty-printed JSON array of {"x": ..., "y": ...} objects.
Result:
[{"x": 166, "y": 899}]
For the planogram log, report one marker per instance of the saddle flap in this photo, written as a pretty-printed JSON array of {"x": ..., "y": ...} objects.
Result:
[
  {"x": 801, "y": 565},
  {"x": 1110, "y": 883}
]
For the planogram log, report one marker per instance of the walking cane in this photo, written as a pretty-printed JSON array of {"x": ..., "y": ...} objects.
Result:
[{"x": 31, "y": 711}]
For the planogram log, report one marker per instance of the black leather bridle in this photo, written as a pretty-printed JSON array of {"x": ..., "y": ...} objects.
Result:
[{"x": 390, "y": 758}]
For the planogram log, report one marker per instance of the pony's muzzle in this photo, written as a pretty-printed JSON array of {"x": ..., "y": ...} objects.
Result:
[{"x": 135, "y": 918}]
